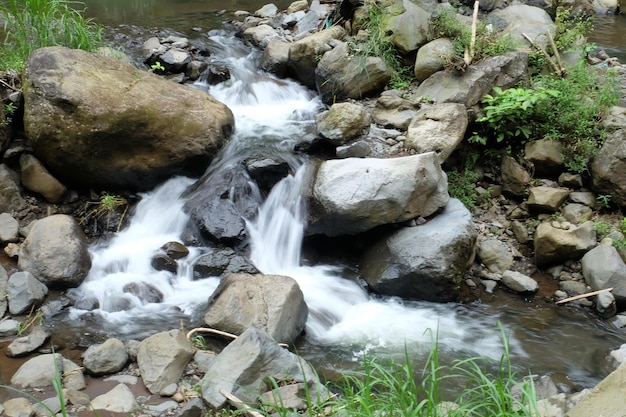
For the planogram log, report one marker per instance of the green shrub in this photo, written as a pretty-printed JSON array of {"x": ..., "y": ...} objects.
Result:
[{"x": 33, "y": 24}]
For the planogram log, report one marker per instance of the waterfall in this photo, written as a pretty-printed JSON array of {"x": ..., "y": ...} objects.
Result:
[{"x": 271, "y": 116}]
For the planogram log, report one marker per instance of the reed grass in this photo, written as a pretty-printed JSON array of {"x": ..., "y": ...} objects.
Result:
[{"x": 31, "y": 24}]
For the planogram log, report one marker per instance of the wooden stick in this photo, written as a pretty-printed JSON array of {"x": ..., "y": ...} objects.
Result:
[
  {"x": 220, "y": 333},
  {"x": 550, "y": 60},
  {"x": 577, "y": 297},
  {"x": 474, "y": 22},
  {"x": 240, "y": 405},
  {"x": 556, "y": 53}
]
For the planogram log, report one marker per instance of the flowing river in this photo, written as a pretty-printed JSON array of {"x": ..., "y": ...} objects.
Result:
[{"x": 345, "y": 322}]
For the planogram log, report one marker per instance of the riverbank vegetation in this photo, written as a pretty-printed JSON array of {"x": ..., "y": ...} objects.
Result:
[{"x": 33, "y": 24}]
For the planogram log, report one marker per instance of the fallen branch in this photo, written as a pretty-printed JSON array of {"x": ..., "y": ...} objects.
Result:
[
  {"x": 469, "y": 56},
  {"x": 556, "y": 53},
  {"x": 558, "y": 70},
  {"x": 578, "y": 297},
  {"x": 191, "y": 332},
  {"x": 240, "y": 405}
]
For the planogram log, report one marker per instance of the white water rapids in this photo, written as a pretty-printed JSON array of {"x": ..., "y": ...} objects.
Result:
[{"x": 270, "y": 114}]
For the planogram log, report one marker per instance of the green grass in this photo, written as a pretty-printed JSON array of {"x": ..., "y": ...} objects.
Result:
[{"x": 33, "y": 24}]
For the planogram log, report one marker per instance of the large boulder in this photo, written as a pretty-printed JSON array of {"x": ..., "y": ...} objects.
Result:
[
  {"x": 556, "y": 242},
  {"x": 354, "y": 195},
  {"x": 162, "y": 358},
  {"x": 432, "y": 57},
  {"x": 604, "y": 268},
  {"x": 272, "y": 303},
  {"x": 56, "y": 252},
  {"x": 519, "y": 19},
  {"x": 437, "y": 128},
  {"x": 99, "y": 122},
  {"x": 608, "y": 169},
  {"x": 426, "y": 262},
  {"x": 341, "y": 75},
  {"x": 470, "y": 87},
  {"x": 304, "y": 54},
  {"x": 246, "y": 367},
  {"x": 407, "y": 25}
]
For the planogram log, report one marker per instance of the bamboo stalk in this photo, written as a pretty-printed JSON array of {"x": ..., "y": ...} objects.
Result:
[
  {"x": 556, "y": 53},
  {"x": 578, "y": 297},
  {"x": 550, "y": 60},
  {"x": 240, "y": 405},
  {"x": 220, "y": 333}
]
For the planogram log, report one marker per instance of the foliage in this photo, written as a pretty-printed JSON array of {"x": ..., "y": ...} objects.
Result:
[
  {"x": 395, "y": 390},
  {"x": 157, "y": 67},
  {"x": 461, "y": 185},
  {"x": 509, "y": 113},
  {"x": 488, "y": 43},
  {"x": 379, "y": 45},
  {"x": 108, "y": 204},
  {"x": 604, "y": 200},
  {"x": 33, "y": 24},
  {"x": 199, "y": 341},
  {"x": 34, "y": 318}
]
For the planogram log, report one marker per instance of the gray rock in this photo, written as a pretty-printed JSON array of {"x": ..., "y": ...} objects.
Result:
[
  {"x": 203, "y": 359},
  {"x": 554, "y": 245},
  {"x": 608, "y": 168},
  {"x": 408, "y": 28},
  {"x": 583, "y": 197},
  {"x": 519, "y": 282},
  {"x": 244, "y": 366},
  {"x": 438, "y": 128},
  {"x": 4, "y": 288},
  {"x": 520, "y": 231},
  {"x": 520, "y": 19},
  {"x": 11, "y": 200},
  {"x": 24, "y": 292},
  {"x": 119, "y": 400},
  {"x": 305, "y": 53},
  {"x": 36, "y": 178},
  {"x": 18, "y": 407},
  {"x": 605, "y": 399},
  {"x": 515, "y": 178},
  {"x": 38, "y": 371},
  {"x": 9, "y": 228},
  {"x": 577, "y": 213},
  {"x": 426, "y": 262},
  {"x": 432, "y": 57},
  {"x": 9, "y": 327},
  {"x": 275, "y": 57},
  {"x": 495, "y": 255},
  {"x": 73, "y": 377},
  {"x": 222, "y": 261},
  {"x": 269, "y": 10},
  {"x": 573, "y": 288},
  {"x": 272, "y": 303},
  {"x": 194, "y": 407},
  {"x": 56, "y": 252},
  {"x": 342, "y": 75},
  {"x": 570, "y": 180},
  {"x": 546, "y": 199},
  {"x": 605, "y": 305},
  {"x": 80, "y": 137},
  {"x": 471, "y": 86},
  {"x": 604, "y": 268},
  {"x": 545, "y": 155},
  {"x": 393, "y": 111},
  {"x": 29, "y": 343},
  {"x": 358, "y": 149},
  {"x": 162, "y": 358},
  {"x": 105, "y": 358},
  {"x": 260, "y": 35},
  {"x": 342, "y": 122},
  {"x": 357, "y": 194},
  {"x": 298, "y": 5}
]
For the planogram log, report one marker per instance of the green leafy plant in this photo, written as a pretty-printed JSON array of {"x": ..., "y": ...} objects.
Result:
[
  {"x": 509, "y": 113},
  {"x": 34, "y": 318},
  {"x": 156, "y": 67},
  {"x": 33, "y": 24},
  {"x": 108, "y": 204},
  {"x": 604, "y": 200},
  {"x": 199, "y": 341}
]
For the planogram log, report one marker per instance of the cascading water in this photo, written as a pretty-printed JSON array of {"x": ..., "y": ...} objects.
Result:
[{"x": 272, "y": 115}]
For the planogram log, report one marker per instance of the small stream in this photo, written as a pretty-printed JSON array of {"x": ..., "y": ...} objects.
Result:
[{"x": 345, "y": 322}]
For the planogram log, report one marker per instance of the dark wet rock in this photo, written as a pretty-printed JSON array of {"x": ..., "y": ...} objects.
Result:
[
  {"x": 267, "y": 172},
  {"x": 175, "y": 250},
  {"x": 145, "y": 292},
  {"x": 426, "y": 262},
  {"x": 162, "y": 262},
  {"x": 11, "y": 199}
]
